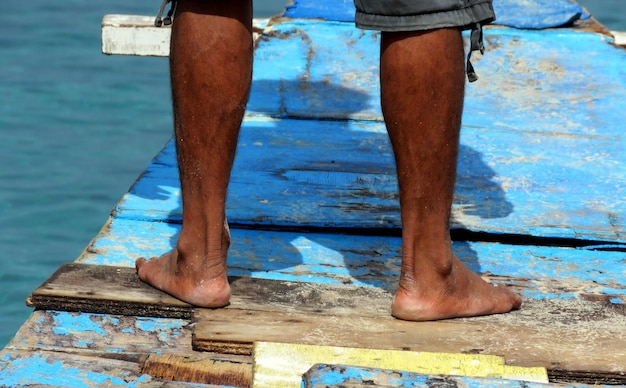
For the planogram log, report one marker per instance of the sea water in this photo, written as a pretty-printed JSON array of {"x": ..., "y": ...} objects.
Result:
[{"x": 78, "y": 128}]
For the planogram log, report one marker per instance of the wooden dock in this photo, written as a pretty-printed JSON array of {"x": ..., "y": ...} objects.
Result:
[{"x": 540, "y": 205}]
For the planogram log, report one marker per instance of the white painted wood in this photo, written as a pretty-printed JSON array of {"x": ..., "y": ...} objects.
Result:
[
  {"x": 137, "y": 35},
  {"x": 134, "y": 35},
  {"x": 620, "y": 37}
]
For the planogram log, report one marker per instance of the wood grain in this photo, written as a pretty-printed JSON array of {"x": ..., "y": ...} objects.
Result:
[
  {"x": 550, "y": 346},
  {"x": 101, "y": 289},
  {"x": 567, "y": 335},
  {"x": 196, "y": 368}
]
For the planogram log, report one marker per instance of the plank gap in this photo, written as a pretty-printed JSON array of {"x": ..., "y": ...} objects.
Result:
[{"x": 457, "y": 234}]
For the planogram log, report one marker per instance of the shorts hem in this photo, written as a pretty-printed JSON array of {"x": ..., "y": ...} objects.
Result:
[{"x": 464, "y": 19}]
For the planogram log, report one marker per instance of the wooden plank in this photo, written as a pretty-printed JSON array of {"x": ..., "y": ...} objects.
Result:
[
  {"x": 511, "y": 128},
  {"x": 324, "y": 375},
  {"x": 341, "y": 79},
  {"x": 103, "y": 289},
  {"x": 124, "y": 337},
  {"x": 110, "y": 290},
  {"x": 575, "y": 344},
  {"x": 118, "y": 290},
  {"x": 570, "y": 337},
  {"x": 197, "y": 368},
  {"x": 137, "y": 35},
  {"x": 552, "y": 332},
  {"x": 333, "y": 181},
  {"x": 282, "y": 365},
  {"x": 374, "y": 261},
  {"x": 55, "y": 369},
  {"x": 134, "y": 35},
  {"x": 159, "y": 347}
]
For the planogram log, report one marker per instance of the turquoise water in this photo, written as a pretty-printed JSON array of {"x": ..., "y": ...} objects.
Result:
[{"x": 78, "y": 127}]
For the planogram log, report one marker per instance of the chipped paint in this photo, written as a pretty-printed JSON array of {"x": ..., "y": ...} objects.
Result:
[
  {"x": 374, "y": 261},
  {"x": 67, "y": 323},
  {"x": 44, "y": 370},
  {"x": 323, "y": 375}
]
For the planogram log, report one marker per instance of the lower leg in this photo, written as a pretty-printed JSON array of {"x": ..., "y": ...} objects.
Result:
[
  {"x": 211, "y": 67},
  {"x": 422, "y": 87}
]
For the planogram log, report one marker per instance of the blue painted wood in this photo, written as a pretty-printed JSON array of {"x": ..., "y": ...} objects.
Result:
[
  {"x": 59, "y": 330},
  {"x": 50, "y": 369},
  {"x": 563, "y": 82},
  {"x": 72, "y": 349},
  {"x": 60, "y": 369},
  {"x": 536, "y": 14},
  {"x": 341, "y": 174},
  {"x": 316, "y": 69},
  {"x": 513, "y": 13},
  {"x": 327, "y": 376},
  {"x": 371, "y": 261},
  {"x": 544, "y": 108}
]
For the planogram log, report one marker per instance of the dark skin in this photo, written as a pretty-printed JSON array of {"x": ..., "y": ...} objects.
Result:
[{"x": 211, "y": 66}]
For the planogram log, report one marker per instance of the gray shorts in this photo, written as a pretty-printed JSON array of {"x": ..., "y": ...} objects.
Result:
[{"x": 416, "y": 15}]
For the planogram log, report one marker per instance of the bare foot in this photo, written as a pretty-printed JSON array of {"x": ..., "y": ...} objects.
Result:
[
  {"x": 198, "y": 279},
  {"x": 462, "y": 293}
]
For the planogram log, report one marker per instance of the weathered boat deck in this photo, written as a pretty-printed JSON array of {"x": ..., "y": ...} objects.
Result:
[{"x": 539, "y": 205}]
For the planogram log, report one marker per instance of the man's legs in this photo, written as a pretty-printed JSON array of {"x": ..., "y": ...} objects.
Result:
[
  {"x": 211, "y": 70},
  {"x": 422, "y": 85}
]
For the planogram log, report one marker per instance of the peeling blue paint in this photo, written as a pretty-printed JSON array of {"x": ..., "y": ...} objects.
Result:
[
  {"x": 159, "y": 325},
  {"x": 41, "y": 369},
  {"x": 338, "y": 375},
  {"x": 84, "y": 344},
  {"x": 114, "y": 350},
  {"x": 296, "y": 256},
  {"x": 66, "y": 323}
]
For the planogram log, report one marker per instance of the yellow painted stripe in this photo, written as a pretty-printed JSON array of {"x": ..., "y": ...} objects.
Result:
[{"x": 280, "y": 365}]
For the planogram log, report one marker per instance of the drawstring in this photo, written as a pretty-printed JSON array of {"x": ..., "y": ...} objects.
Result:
[
  {"x": 169, "y": 18},
  {"x": 476, "y": 43}
]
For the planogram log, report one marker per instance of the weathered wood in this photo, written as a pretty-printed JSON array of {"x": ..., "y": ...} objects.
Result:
[
  {"x": 99, "y": 289},
  {"x": 57, "y": 369},
  {"x": 197, "y": 368},
  {"x": 333, "y": 181},
  {"x": 134, "y": 35},
  {"x": 282, "y": 365},
  {"x": 137, "y": 35},
  {"x": 511, "y": 126},
  {"x": 572, "y": 335},
  {"x": 345, "y": 376},
  {"x": 281, "y": 311},
  {"x": 125, "y": 337},
  {"x": 374, "y": 261},
  {"x": 118, "y": 290},
  {"x": 596, "y": 347}
]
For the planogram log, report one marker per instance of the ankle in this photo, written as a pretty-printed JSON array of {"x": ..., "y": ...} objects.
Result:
[{"x": 428, "y": 256}]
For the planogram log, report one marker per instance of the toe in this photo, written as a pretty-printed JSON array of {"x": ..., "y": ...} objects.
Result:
[{"x": 139, "y": 263}]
